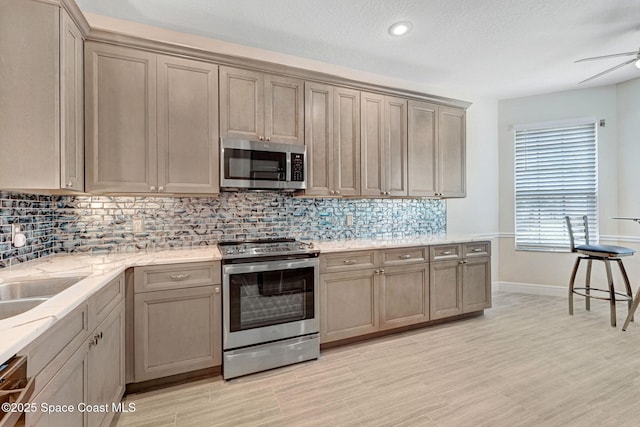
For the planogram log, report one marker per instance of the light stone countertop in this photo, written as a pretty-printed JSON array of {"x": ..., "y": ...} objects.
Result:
[
  {"x": 328, "y": 246},
  {"x": 18, "y": 331}
]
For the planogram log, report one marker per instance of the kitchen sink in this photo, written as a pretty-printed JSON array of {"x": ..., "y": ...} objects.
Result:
[
  {"x": 35, "y": 287},
  {"x": 14, "y": 307}
]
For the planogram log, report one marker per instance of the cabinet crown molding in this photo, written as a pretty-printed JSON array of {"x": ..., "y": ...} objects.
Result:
[{"x": 118, "y": 38}]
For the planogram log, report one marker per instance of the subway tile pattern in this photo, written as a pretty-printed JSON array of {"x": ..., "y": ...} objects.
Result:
[{"x": 103, "y": 224}]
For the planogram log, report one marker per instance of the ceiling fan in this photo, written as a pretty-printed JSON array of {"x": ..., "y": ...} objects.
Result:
[{"x": 636, "y": 59}]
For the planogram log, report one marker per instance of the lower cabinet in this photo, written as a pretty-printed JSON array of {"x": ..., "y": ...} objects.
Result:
[
  {"x": 462, "y": 284},
  {"x": 83, "y": 391},
  {"x": 357, "y": 300},
  {"x": 177, "y": 319},
  {"x": 404, "y": 295},
  {"x": 68, "y": 389},
  {"x": 174, "y": 331},
  {"x": 105, "y": 382},
  {"x": 369, "y": 291},
  {"x": 446, "y": 289},
  {"x": 349, "y": 304}
]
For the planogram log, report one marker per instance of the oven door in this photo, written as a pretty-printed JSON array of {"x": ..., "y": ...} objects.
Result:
[{"x": 269, "y": 300}]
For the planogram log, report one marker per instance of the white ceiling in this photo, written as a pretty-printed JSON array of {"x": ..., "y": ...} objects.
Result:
[{"x": 493, "y": 48}]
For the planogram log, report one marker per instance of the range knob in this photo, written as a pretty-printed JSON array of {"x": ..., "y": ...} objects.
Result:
[{"x": 228, "y": 251}]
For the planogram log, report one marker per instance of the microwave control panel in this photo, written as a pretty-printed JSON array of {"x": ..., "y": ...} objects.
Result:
[{"x": 297, "y": 167}]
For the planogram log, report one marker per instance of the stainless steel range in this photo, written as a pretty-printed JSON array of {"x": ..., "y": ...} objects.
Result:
[{"x": 270, "y": 305}]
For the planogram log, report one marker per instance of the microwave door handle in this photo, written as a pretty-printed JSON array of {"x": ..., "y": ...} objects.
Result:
[{"x": 288, "y": 171}]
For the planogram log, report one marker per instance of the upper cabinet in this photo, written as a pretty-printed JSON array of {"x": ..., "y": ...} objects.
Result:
[
  {"x": 383, "y": 145},
  {"x": 452, "y": 151},
  {"x": 259, "y": 106},
  {"x": 332, "y": 137},
  {"x": 436, "y": 146},
  {"x": 41, "y": 114},
  {"x": 152, "y": 122}
]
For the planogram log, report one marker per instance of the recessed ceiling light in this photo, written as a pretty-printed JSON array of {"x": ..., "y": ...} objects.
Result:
[{"x": 400, "y": 28}]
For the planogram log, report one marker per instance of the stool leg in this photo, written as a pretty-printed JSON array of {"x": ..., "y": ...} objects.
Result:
[
  {"x": 612, "y": 295},
  {"x": 627, "y": 285},
  {"x": 572, "y": 283},
  {"x": 632, "y": 310},
  {"x": 587, "y": 300}
]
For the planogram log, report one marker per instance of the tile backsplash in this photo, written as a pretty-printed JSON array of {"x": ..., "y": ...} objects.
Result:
[{"x": 55, "y": 224}]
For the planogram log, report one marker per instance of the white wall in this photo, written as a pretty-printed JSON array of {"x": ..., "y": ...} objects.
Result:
[{"x": 618, "y": 175}]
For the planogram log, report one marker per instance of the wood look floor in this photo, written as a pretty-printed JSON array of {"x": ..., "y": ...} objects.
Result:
[{"x": 526, "y": 362}]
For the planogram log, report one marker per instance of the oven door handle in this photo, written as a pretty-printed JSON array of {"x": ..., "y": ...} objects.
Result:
[{"x": 261, "y": 266}]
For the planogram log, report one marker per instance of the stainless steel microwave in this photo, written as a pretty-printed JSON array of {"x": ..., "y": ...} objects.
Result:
[{"x": 262, "y": 165}]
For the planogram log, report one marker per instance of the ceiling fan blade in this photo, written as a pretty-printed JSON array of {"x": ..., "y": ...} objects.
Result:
[
  {"x": 608, "y": 56},
  {"x": 609, "y": 70}
]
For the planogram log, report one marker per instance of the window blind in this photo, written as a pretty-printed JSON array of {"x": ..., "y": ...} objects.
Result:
[{"x": 555, "y": 175}]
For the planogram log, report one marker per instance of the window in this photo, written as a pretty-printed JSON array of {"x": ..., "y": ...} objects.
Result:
[{"x": 555, "y": 175}]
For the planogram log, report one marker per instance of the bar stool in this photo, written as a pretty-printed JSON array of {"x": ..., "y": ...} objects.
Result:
[{"x": 606, "y": 254}]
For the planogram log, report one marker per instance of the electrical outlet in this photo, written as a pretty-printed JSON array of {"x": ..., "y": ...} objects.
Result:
[
  {"x": 138, "y": 226},
  {"x": 348, "y": 220}
]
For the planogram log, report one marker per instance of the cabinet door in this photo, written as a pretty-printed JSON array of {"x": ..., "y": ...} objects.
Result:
[
  {"x": 283, "y": 109},
  {"x": 476, "y": 284},
  {"x": 71, "y": 104},
  {"x": 346, "y": 142},
  {"x": 348, "y": 304},
  {"x": 446, "y": 289},
  {"x": 166, "y": 341},
  {"x": 29, "y": 95},
  {"x": 241, "y": 103},
  {"x": 452, "y": 155},
  {"x": 105, "y": 383},
  {"x": 187, "y": 126},
  {"x": 395, "y": 151},
  {"x": 67, "y": 387},
  {"x": 404, "y": 295},
  {"x": 422, "y": 148},
  {"x": 319, "y": 139},
  {"x": 372, "y": 145},
  {"x": 120, "y": 110}
]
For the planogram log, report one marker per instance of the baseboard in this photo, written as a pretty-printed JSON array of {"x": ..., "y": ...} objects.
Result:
[{"x": 529, "y": 288}]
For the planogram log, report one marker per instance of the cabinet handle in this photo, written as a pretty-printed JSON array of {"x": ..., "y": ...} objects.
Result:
[
  {"x": 404, "y": 256},
  {"x": 153, "y": 188},
  {"x": 381, "y": 271},
  {"x": 261, "y": 138},
  {"x": 477, "y": 250},
  {"x": 332, "y": 192},
  {"x": 69, "y": 184},
  {"x": 446, "y": 253},
  {"x": 349, "y": 261},
  {"x": 337, "y": 191},
  {"x": 217, "y": 289},
  {"x": 268, "y": 138},
  {"x": 161, "y": 188},
  {"x": 463, "y": 262},
  {"x": 181, "y": 276}
]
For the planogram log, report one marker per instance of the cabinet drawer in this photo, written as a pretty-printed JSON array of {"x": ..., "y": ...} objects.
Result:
[
  {"x": 445, "y": 252},
  {"x": 403, "y": 256},
  {"x": 47, "y": 353},
  {"x": 475, "y": 249},
  {"x": 343, "y": 261},
  {"x": 105, "y": 300},
  {"x": 165, "y": 277}
]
